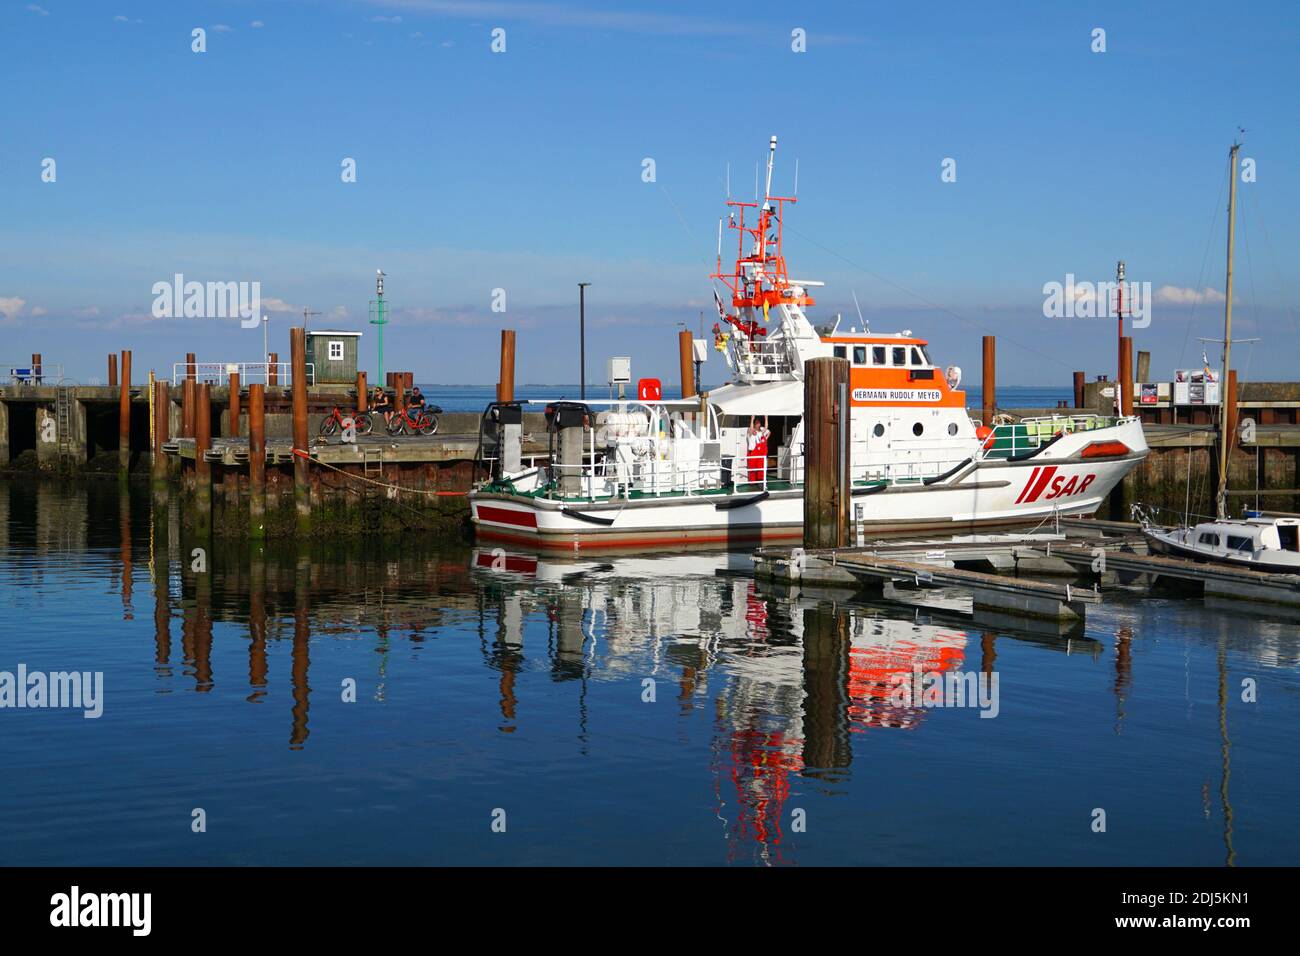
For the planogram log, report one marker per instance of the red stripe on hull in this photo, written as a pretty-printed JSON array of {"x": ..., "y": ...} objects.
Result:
[{"x": 520, "y": 519}]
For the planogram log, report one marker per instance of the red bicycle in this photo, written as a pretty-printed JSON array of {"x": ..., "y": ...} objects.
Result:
[
  {"x": 410, "y": 421},
  {"x": 335, "y": 419}
]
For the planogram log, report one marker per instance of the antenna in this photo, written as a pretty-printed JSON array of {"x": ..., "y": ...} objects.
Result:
[
  {"x": 305, "y": 314},
  {"x": 858, "y": 307},
  {"x": 796, "y": 175},
  {"x": 771, "y": 159},
  {"x": 728, "y": 180},
  {"x": 755, "y": 182}
]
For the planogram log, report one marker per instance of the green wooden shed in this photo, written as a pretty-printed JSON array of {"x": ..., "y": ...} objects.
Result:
[{"x": 333, "y": 355}]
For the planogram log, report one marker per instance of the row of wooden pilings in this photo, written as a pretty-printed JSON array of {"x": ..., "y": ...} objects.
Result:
[{"x": 196, "y": 423}]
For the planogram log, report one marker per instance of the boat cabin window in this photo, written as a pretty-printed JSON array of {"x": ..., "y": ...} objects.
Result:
[
  {"x": 840, "y": 351},
  {"x": 1290, "y": 535},
  {"x": 878, "y": 355},
  {"x": 899, "y": 357},
  {"x": 917, "y": 359},
  {"x": 1208, "y": 538},
  {"x": 859, "y": 355},
  {"x": 1237, "y": 543},
  {"x": 925, "y": 355}
]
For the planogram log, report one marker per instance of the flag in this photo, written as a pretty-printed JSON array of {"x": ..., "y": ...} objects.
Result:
[
  {"x": 718, "y": 299},
  {"x": 765, "y": 310}
]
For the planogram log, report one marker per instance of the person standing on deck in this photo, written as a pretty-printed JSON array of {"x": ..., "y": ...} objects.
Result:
[{"x": 756, "y": 444}]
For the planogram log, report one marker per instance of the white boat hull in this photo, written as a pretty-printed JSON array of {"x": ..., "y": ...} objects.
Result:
[{"x": 985, "y": 493}]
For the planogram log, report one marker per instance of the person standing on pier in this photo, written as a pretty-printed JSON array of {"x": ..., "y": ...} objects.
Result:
[{"x": 756, "y": 443}]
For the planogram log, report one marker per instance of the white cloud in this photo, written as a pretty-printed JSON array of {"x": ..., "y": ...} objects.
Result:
[
  {"x": 221, "y": 28},
  {"x": 1175, "y": 295},
  {"x": 10, "y": 306},
  {"x": 386, "y": 19},
  {"x": 37, "y": 8},
  {"x": 272, "y": 304},
  {"x": 39, "y": 310},
  {"x": 257, "y": 24}
]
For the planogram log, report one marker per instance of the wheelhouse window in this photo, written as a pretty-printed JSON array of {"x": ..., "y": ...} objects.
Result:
[
  {"x": 878, "y": 355},
  {"x": 899, "y": 357},
  {"x": 1211, "y": 539},
  {"x": 840, "y": 351},
  {"x": 859, "y": 355},
  {"x": 1239, "y": 543},
  {"x": 918, "y": 358}
]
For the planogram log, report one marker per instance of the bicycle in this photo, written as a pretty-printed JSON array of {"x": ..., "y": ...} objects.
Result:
[
  {"x": 335, "y": 419},
  {"x": 424, "y": 421}
]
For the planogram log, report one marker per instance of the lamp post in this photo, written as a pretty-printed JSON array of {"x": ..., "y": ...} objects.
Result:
[
  {"x": 379, "y": 320},
  {"x": 582, "y": 340}
]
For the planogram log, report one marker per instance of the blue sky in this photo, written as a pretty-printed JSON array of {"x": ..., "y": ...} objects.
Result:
[{"x": 522, "y": 171}]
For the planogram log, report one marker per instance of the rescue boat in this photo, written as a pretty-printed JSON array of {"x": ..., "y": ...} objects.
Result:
[{"x": 655, "y": 473}]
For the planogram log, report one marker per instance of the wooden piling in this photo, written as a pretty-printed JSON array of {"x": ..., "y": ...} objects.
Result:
[
  {"x": 202, "y": 468},
  {"x": 273, "y": 369},
  {"x": 38, "y": 373},
  {"x": 1078, "y": 389},
  {"x": 1125, "y": 383},
  {"x": 989, "y": 386},
  {"x": 301, "y": 476},
  {"x": 234, "y": 404},
  {"x": 1144, "y": 366},
  {"x": 506, "y": 383},
  {"x": 124, "y": 416},
  {"x": 187, "y": 407},
  {"x": 257, "y": 460},
  {"x": 827, "y": 439},
  {"x": 112, "y": 370},
  {"x": 161, "y": 434},
  {"x": 363, "y": 396},
  {"x": 191, "y": 367},
  {"x": 686, "y": 359}
]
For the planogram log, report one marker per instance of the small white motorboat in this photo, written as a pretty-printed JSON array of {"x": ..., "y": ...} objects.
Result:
[{"x": 1257, "y": 541}]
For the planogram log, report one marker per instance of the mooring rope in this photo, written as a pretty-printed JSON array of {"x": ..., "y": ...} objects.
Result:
[{"x": 381, "y": 484}]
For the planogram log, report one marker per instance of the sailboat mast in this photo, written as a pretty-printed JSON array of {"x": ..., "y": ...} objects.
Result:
[{"x": 1224, "y": 439}]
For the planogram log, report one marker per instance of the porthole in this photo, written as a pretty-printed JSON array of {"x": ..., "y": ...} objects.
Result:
[
  {"x": 952, "y": 428},
  {"x": 878, "y": 430},
  {"x": 917, "y": 429}
]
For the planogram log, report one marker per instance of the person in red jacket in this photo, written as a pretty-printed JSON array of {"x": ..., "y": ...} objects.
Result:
[{"x": 756, "y": 445}]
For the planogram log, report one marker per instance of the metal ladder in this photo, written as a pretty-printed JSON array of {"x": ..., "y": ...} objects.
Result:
[
  {"x": 372, "y": 460},
  {"x": 63, "y": 423}
]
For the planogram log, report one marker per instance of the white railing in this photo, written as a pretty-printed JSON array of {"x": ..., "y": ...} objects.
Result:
[
  {"x": 762, "y": 360},
  {"x": 250, "y": 373},
  {"x": 28, "y": 374}
]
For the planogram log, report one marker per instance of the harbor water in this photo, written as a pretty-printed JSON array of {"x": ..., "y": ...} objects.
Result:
[{"x": 510, "y": 709}]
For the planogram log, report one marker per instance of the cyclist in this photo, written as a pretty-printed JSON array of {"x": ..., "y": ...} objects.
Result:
[{"x": 382, "y": 404}]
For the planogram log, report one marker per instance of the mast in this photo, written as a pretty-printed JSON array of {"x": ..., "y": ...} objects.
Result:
[
  {"x": 1224, "y": 442},
  {"x": 1119, "y": 311}
]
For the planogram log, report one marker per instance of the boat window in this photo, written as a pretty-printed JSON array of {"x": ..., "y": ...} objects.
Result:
[
  {"x": 878, "y": 355},
  {"x": 952, "y": 428},
  {"x": 840, "y": 351},
  {"x": 878, "y": 430},
  {"x": 899, "y": 357},
  {"x": 1237, "y": 543},
  {"x": 916, "y": 357},
  {"x": 925, "y": 355},
  {"x": 917, "y": 429},
  {"x": 1211, "y": 539},
  {"x": 859, "y": 355},
  {"x": 1290, "y": 535}
]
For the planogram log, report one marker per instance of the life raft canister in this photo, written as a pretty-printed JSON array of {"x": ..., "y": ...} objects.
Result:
[{"x": 985, "y": 435}]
